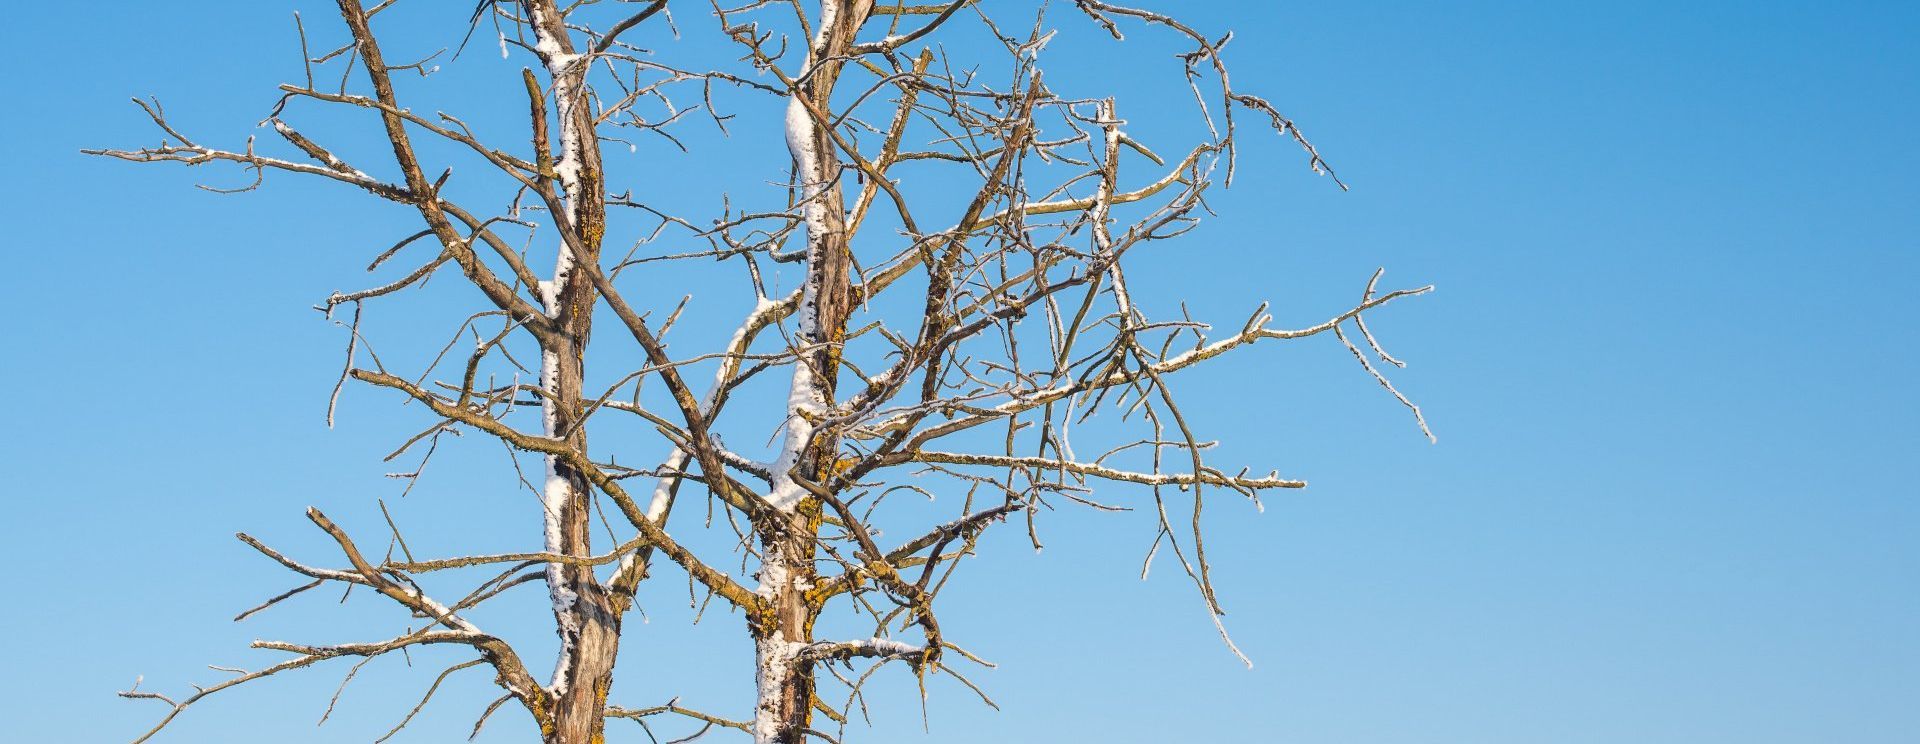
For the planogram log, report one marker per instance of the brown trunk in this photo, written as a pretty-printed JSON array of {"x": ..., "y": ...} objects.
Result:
[
  {"x": 587, "y": 616},
  {"x": 589, "y": 625},
  {"x": 830, "y": 255},
  {"x": 788, "y": 539},
  {"x": 787, "y": 686}
]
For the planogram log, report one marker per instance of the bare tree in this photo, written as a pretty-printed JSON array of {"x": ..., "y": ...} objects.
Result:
[{"x": 963, "y": 230}]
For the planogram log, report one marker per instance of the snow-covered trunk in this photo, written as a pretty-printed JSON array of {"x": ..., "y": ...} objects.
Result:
[
  {"x": 586, "y": 615},
  {"x": 586, "y": 619},
  {"x": 784, "y": 711}
]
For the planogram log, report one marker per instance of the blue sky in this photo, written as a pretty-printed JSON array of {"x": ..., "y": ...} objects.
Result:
[{"x": 1669, "y": 362}]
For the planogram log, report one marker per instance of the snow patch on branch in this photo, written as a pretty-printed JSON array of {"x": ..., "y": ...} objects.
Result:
[{"x": 867, "y": 647}]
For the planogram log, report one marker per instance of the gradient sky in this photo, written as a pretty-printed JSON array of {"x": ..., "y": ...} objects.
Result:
[{"x": 1670, "y": 363}]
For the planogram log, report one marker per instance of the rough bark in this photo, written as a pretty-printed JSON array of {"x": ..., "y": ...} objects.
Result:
[
  {"x": 785, "y": 685},
  {"x": 587, "y": 618}
]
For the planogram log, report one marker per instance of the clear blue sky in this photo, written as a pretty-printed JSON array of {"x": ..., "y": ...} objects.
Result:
[{"x": 1671, "y": 365}]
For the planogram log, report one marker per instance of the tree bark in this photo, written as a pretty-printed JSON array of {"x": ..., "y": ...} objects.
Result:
[
  {"x": 785, "y": 682},
  {"x": 586, "y": 615}
]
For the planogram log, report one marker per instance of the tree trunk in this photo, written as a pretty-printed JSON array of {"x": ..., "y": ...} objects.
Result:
[
  {"x": 586, "y": 618},
  {"x": 785, "y": 684},
  {"x": 586, "y": 615}
]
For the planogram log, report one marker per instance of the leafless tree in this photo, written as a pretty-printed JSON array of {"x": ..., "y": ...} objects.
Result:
[{"x": 963, "y": 231}]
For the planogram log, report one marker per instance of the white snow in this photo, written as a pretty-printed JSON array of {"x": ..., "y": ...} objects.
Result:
[
  {"x": 773, "y": 661},
  {"x": 558, "y": 491},
  {"x": 803, "y": 397}
]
